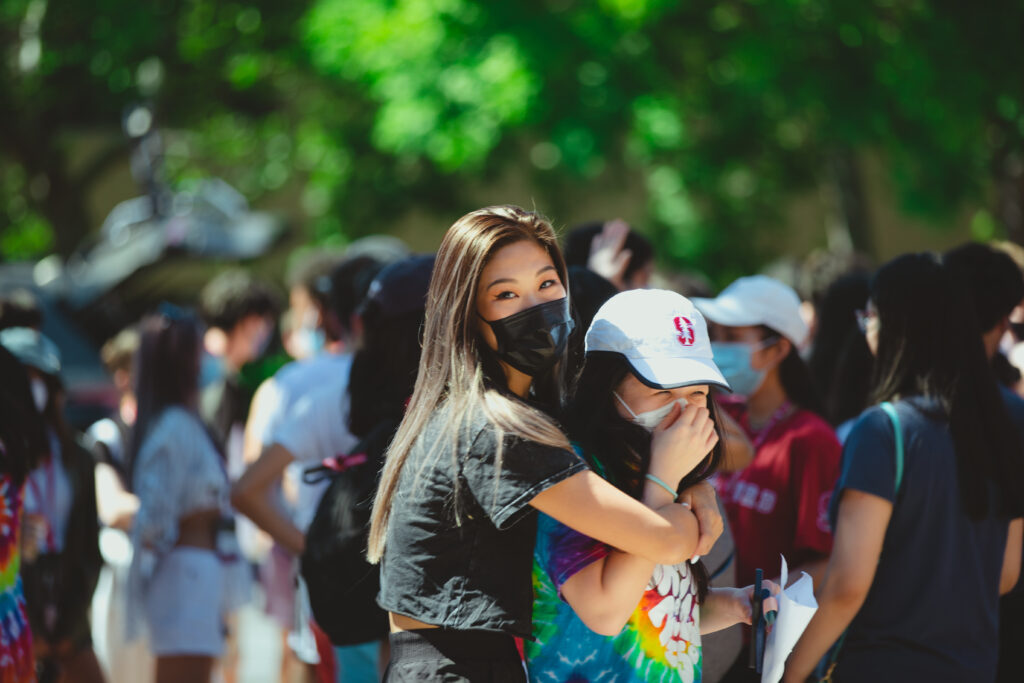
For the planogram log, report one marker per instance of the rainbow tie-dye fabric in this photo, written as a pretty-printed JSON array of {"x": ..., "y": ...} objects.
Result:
[
  {"x": 660, "y": 642},
  {"x": 16, "y": 664}
]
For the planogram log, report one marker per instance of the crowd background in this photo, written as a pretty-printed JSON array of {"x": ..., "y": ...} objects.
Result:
[{"x": 225, "y": 158}]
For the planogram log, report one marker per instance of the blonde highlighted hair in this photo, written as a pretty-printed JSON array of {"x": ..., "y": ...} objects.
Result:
[{"x": 456, "y": 366}]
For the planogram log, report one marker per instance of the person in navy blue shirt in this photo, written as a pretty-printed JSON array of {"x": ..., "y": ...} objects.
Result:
[
  {"x": 916, "y": 572},
  {"x": 996, "y": 286}
]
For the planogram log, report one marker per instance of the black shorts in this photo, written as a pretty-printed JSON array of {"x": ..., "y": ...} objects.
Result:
[{"x": 453, "y": 656}]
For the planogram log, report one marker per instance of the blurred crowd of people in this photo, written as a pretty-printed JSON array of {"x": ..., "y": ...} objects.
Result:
[{"x": 868, "y": 426}]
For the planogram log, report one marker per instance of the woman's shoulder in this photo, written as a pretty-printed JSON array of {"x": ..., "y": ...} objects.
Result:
[
  {"x": 177, "y": 417},
  {"x": 174, "y": 425},
  {"x": 873, "y": 429},
  {"x": 915, "y": 412}
]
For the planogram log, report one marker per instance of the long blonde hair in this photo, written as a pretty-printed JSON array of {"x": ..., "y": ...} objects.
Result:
[{"x": 452, "y": 365}]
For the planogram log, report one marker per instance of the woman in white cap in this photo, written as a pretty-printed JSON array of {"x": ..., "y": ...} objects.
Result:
[
  {"x": 598, "y": 612},
  {"x": 778, "y": 504},
  {"x": 477, "y": 451}
]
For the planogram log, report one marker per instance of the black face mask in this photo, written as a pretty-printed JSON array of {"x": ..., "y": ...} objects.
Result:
[{"x": 533, "y": 340}]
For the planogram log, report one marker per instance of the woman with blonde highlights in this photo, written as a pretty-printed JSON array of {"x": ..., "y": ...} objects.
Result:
[{"x": 453, "y": 522}]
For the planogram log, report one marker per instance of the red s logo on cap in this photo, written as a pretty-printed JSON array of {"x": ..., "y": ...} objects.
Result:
[{"x": 686, "y": 335}]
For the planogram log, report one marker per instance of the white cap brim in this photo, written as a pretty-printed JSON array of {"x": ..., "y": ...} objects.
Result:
[
  {"x": 672, "y": 373},
  {"x": 727, "y": 311}
]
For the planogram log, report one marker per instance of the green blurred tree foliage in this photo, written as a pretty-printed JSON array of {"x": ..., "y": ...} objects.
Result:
[{"x": 724, "y": 108}]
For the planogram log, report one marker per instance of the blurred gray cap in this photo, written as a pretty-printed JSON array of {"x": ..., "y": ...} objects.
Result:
[{"x": 32, "y": 348}]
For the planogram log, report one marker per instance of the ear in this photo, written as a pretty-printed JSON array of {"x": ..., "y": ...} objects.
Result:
[
  {"x": 771, "y": 356},
  {"x": 778, "y": 352}
]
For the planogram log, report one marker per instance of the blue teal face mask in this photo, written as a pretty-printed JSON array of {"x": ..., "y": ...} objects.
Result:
[
  {"x": 733, "y": 359},
  {"x": 211, "y": 369},
  {"x": 308, "y": 341}
]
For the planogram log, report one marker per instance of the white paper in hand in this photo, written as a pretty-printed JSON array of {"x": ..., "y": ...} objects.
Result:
[{"x": 796, "y": 607}]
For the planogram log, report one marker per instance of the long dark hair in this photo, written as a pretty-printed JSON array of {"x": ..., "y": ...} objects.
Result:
[
  {"x": 850, "y": 390},
  {"x": 929, "y": 344},
  {"x": 384, "y": 370},
  {"x": 840, "y": 363},
  {"x": 166, "y": 370},
  {"x": 616, "y": 448},
  {"x": 796, "y": 378},
  {"x": 21, "y": 426},
  {"x": 457, "y": 367},
  {"x": 54, "y": 418}
]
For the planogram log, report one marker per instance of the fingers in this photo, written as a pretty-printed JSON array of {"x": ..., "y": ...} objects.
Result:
[
  {"x": 695, "y": 416},
  {"x": 709, "y": 434},
  {"x": 710, "y": 442},
  {"x": 621, "y": 262},
  {"x": 615, "y": 232},
  {"x": 709, "y": 426},
  {"x": 611, "y": 238},
  {"x": 671, "y": 418},
  {"x": 709, "y": 518},
  {"x": 705, "y": 541},
  {"x": 608, "y": 258}
]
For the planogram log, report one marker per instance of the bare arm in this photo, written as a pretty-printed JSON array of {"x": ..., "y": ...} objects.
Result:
[
  {"x": 725, "y": 607},
  {"x": 605, "y": 593},
  {"x": 1012, "y": 557},
  {"x": 115, "y": 506},
  {"x": 251, "y": 496},
  {"x": 252, "y": 444},
  {"x": 587, "y": 503},
  {"x": 666, "y": 534},
  {"x": 860, "y": 531}
]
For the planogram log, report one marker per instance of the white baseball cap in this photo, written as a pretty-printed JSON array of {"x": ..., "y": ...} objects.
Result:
[
  {"x": 661, "y": 334},
  {"x": 758, "y": 300}
]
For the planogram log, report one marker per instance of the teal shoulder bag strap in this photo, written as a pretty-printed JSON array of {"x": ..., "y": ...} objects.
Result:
[{"x": 897, "y": 429}]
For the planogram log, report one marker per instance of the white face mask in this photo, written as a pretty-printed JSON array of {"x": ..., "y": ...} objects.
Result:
[
  {"x": 652, "y": 418},
  {"x": 40, "y": 394}
]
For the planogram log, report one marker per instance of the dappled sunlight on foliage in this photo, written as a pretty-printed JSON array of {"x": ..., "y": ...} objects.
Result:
[
  {"x": 445, "y": 91},
  {"x": 722, "y": 111}
]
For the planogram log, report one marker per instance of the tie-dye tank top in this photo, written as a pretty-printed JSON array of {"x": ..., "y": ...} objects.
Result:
[
  {"x": 16, "y": 664},
  {"x": 660, "y": 642}
]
